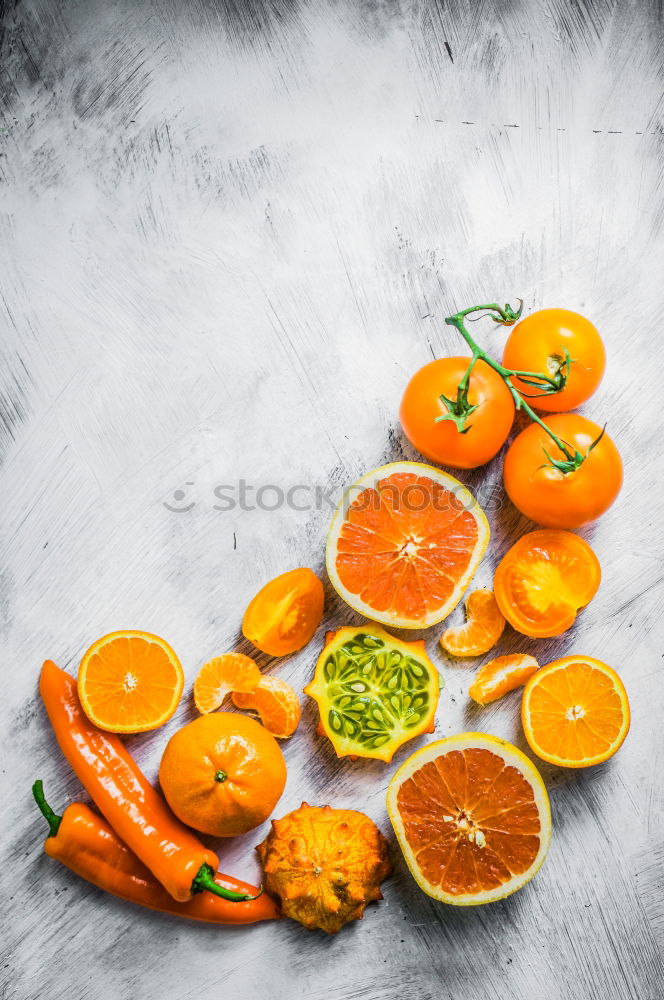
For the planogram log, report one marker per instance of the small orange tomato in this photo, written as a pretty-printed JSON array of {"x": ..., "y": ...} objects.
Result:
[
  {"x": 486, "y": 428},
  {"x": 538, "y": 343},
  {"x": 543, "y": 580},
  {"x": 284, "y": 615},
  {"x": 558, "y": 499}
]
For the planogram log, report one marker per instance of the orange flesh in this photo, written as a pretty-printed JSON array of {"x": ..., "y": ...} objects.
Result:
[
  {"x": 471, "y": 821},
  {"x": 480, "y": 632},
  {"x": 404, "y": 545},
  {"x": 500, "y": 675},
  {"x": 575, "y": 713},
  {"x": 130, "y": 683},
  {"x": 221, "y": 675},
  {"x": 277, "y": 704}
]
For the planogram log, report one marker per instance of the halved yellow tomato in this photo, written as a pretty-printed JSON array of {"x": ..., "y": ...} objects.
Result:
[
  {"x": 285, "y": 613},
  {"x": 544, "y": 579}
]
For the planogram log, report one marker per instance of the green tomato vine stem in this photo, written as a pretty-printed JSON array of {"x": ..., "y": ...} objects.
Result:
[{"x": 459, "y": 409}]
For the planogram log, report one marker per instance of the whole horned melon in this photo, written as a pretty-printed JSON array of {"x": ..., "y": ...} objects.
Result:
[{"x": 325, "y": 865}]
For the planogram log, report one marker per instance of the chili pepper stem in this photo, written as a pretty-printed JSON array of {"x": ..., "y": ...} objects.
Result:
[
  {"x": 205, "y": 880},
  {"x": 508, "y": 316},
  {"x": 51, "y": 818}
]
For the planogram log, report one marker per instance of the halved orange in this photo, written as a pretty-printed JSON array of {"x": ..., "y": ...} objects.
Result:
[
  {"x": 277, "y": 704},
  {"x": 575, "y": 712},
  {"x": 221, "y": 675},
  {"x": 404, "y": 544},
  {"x": 482, "y": 629},
  {"x": 500, "y": 675},
  {"x": 471, "y": 814},
  {"x": 130, "y": 682}
]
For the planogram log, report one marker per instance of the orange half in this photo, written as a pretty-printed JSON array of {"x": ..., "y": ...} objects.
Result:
[
  {"x": 404, "y": 544},
  {"x": 130, "y": 682},
  {"x": 575, "y": 712},
  {"x": 471, "y": 814}
]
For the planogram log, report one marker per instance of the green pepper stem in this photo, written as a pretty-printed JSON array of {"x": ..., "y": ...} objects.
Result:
[
  {"x": 205, "y": 880},
  {"x": 51, "y": 818},
  {"x": 507, "y": 317}
]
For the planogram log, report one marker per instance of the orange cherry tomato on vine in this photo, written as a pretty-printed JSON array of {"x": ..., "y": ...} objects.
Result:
[
  {"x": 538, "y": 343},
  {"x": 558, "y": 499},
  {"x": 543, "y": 580},
  {"x": 285, "y": 613},
  {"x": 487, "y": 426}
]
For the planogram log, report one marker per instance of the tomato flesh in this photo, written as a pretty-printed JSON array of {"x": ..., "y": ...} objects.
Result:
[
  {"x": 543, "y": 580},
  {"x": 537, "y": 344},
  {"x": 285, "y": 613},
  {"x": 487, "y": 427}
]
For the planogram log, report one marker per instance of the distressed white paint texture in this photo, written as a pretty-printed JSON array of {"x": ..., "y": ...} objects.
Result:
[{"x": 230, "y": 232}]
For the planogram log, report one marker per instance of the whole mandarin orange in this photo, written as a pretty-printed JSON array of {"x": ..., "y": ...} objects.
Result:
[{"x": 222, "y": 774}]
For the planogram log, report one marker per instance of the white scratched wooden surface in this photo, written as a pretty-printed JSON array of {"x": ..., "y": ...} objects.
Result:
[{"x": 230, "y": 232}]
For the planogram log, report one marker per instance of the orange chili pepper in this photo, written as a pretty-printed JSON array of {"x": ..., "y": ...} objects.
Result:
[
  {"x": 122, "y": 793},
  {"x": 87, "y": 845}
]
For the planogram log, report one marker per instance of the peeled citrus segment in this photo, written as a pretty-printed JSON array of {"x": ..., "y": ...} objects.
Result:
[
  {"x": 471, "y": 814},
  {"x": 481, "y": 631},
  {"x": 277, "y": 704},
  {"x": 500, "y": 675},
  {"x": 374, "y": 692},
  {"x": 544, "y": 579},
  {"x": 221, "y": 675},
  {"x": 404, "y": 544},
  {"x": 575, "y": 712},
  {"x": 130, "y": 682}
]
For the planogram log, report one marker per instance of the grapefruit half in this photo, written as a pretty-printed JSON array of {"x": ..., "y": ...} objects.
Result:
[
  {"x": 471, "y": 814},
  {"x": 404, "y": 544}
]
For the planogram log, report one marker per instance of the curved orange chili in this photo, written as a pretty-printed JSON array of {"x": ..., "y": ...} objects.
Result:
[
  {"x": 122, "y": 793},
  {"x": 87, "y": 845}
]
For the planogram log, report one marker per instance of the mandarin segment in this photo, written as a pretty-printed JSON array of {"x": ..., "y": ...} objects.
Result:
[
  {"x": 500, "y": 675},
  {"x": 575, "y": 712},
  {"x": 482, "y": 629},
  {"x": 472, "y": 818},
  {"x": 130, "y": 682},
  {"x": 222, "y": 675},
  {"x": 277, "y": 704},
  {"x": 404, "y": 550}
]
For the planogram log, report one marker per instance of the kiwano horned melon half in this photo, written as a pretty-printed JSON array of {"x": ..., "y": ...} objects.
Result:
[{"x": 325, "y": 865}]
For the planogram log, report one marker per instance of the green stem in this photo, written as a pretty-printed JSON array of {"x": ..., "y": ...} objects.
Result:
[
  {"x": 51, "y": 818},
  {"x": 507, "y": 316},
  {"x": 205, "y": 880}
]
